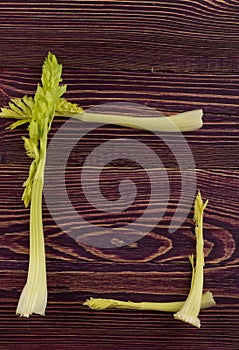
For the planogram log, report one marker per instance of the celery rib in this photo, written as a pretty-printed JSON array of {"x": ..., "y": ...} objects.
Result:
[
  {"x": 187, "y": 310},
  {"x": 187, "y": 121},
  {"x": 101, "y": 304},
  {"x": 190, "y": 309},
  {"x": 33, "y": 298},
  {"x": 39, "y": 112}
]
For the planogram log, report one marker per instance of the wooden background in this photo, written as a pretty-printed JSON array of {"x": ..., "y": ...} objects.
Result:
[{"x": 172, "y": 55}]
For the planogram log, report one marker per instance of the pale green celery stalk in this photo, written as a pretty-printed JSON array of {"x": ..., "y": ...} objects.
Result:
[
  {"x": 187, "y": 121},
  {"x": 190, "y": 309},
  {"x": 38, "y": 112},
  {"x": 33, "y": 298},
  {"x": 101, "y": 304}
]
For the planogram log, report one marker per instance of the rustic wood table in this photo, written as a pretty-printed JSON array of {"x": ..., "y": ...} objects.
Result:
[{"x": 170, "y": 55}]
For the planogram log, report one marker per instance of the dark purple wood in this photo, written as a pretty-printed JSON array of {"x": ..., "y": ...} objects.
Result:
[
  {"x": 179, "y": 36},
  {"x": 172, "y": 56},
  {"x": 168, "y": 93}
]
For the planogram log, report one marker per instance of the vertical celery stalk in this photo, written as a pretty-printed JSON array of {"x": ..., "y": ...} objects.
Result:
[
  {"x": 33, "y": 298},
  {"x": 190, "y": 309},
  {"x": 38, "y": 112}
]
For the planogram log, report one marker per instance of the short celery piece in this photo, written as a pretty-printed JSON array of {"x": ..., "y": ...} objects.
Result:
[
  {"x": 101, "y": 304},
  {"x": 190, "y": 309},
  {"x": 38, "y": 113}
]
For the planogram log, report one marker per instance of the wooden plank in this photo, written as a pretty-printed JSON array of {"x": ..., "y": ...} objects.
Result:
[
  {"x": 195, "y": 36},
  {"x": 77, "y": 272},
  {"x": 219, "y": 186},
  {"x": 75, "y": 327},
  {"x": 169, "y": 93},
  {"x": 172, "y": 56}
]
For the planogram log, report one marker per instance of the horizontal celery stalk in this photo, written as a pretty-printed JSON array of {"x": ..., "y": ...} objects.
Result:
[
  {"x": 187, "y": 121},
  {"x": 101, "y": 304}
]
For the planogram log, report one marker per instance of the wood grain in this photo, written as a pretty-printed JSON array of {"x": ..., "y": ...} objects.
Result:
[
  {"x": 160, "y": 245},
  {"x": 76, "y": 272},
  {"x": 173, "y": 56},
  {"x": 168, "y": 93},
  {"x": 179, "y": 36}
]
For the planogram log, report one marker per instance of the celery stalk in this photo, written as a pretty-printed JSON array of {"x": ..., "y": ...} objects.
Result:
[
  {"x": 101, "y": 304},
  {"x": 34, "y": 295},
  {"x": 187, "y": 121},
  {"x": 33, "y": 298},
  {"x": 38, "y": 112},
  {"x": 190, "y": 309}
]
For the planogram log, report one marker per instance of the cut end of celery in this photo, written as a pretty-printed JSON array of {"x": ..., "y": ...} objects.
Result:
[
  {"x": 33, "y": 300},
  {"x": 26, "y": 314},
  {"x": 188, "y": 121},
  {"x": 29, "y": 314},
  {"x": 98, "y": 303},
  {"x": 207, "y": 300},
  {"x": 194, "y": 321}
]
